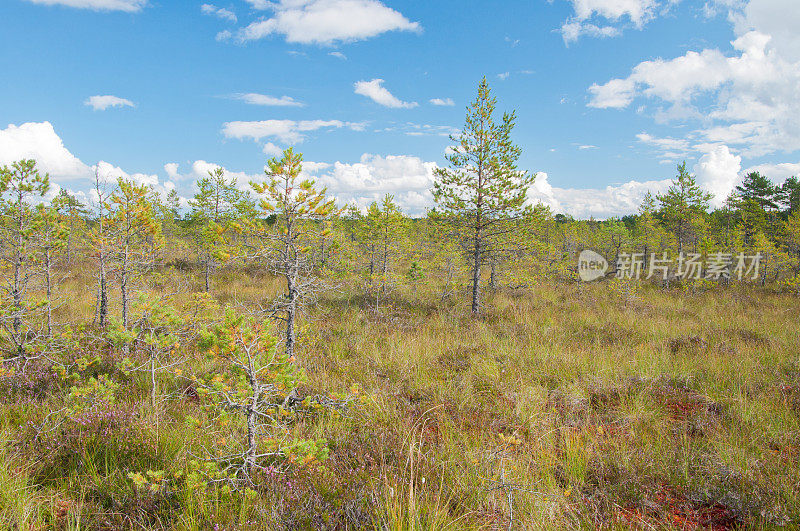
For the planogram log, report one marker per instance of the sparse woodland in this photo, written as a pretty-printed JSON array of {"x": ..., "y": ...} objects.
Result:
[{"x": 263, "y": 358}]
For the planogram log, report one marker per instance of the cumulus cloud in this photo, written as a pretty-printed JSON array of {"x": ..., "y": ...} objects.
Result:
[
  {"x": 582, "y": 203},
  {"x": 219, "y": 12},
  {"x": 777, "y": 172},
  {"x": 262, "y": 99},
  {"x": 443, "y": 102},
  {"x": 594, "y": 18},
  {"x": 200, "y": 169},
  {"x": 129, "y": 6},
  {"x": 718, "y": 172},
  {"x": 326, "y": 22},
  {"x": 101, "y": 103},
  {"x": 39, "y": 141},
  {"x": 271, "y": 150},
  {"x": 746, "y": 100},
  {"x": 287, "y": 131},
  {"x": 408, "y": 178},
  {"x": 777, "y": 18},
  {"x": 375, "y": 91}
]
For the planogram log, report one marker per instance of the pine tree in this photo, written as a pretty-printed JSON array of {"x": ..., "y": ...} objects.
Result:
[
  {"x": 683, "y": 203},
  {"x": 101, "y": 246},
  {"x": 789, "y": 195},
  {"x": 760, "y": 189},
  {"x": 133, "y": 227},
  {"x": 73, "y": 213},
  {"x": 384, "y": 227},
  {"x": 52, "y": 235},
  {"x": 792, "y": 239},
  {"x": 483, "y": 188},
  {"x": 301, "y": 211},
  {"x": 215, "y": 207},
  {"x": 20, "y": 185}
]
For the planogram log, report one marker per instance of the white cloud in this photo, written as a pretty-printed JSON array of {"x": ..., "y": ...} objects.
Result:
[
  {"x": 39, "y": 141},
  {"x": 669, "y": 149},
  {"x": 718, "y": 172},
  {"x": 271, "y": 150},
  {"x": 219, "y": 12},
  {"x": 572, "y": 31},
  {"x": 415, "y": 129},
  {"x": 262, "y": 99},
  {"x": 746, "y": 100},
  {"x": 503, "y": 76},
  {"x": 338, "y": 55},
  {"x": 615, "y": 94},
  {"x": 129, "y": 6},
  {"x": 172, "y": 170},
  {"x": 777, "y": 18},
  {"x": 593, "y": 18},
  {"x": 777, "y": 172},
  {"x": 223, "y": 35},
  {"x": 326, "y": 22},
  {"x": 581, "y": 203},
  {"x": 101, "y": 103},
  {"x": 375, "y": 91},
  {"x": 200, "y": 169},
  {"x": 443, "y": 102},
  {"x": 666, "y": 143},
  {"x": 110, "y": 174},
  {"x": 287, "y": 131},
  {"x": 315, "y": 167},
  {"x": 587, "y": 146},
  {"x": 408, "y": 178}
]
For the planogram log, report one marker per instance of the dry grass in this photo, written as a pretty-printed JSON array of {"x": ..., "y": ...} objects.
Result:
[{"x": 668, "y": 411}]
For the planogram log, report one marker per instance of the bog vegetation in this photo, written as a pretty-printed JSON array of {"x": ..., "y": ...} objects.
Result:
[{"x": 263, "y": 358}]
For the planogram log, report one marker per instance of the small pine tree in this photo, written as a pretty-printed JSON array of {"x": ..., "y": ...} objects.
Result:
[
  {"x": 20, "y": 185},
  {"x": 215, "y": 208},
  {"x": 483, "y": 189},
  {"x": 301, "y": 214},
  {"x": 682, "y": 204},
  {"x": 132, "y": 225}
]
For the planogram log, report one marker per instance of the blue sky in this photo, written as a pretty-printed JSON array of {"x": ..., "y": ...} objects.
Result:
[{"x": 610, "y": 94}]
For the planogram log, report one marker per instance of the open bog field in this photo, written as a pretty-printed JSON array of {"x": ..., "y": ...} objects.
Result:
[{"x": 565, "y": 405}]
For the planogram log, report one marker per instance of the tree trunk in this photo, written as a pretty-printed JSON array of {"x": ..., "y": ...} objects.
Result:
[
  {"x": 153, "y": 391},
  {"x": 291, "y": 312},
  {"x": 17, "y": 296},
  {"x": 476, "y": 275},
  {"x": 252, "y": 417},
  {"x": 208, "y": 273},
  {"x": 49, "y": 293},
  {"x": 102, "y": 297},
  {"x": 123, "y": 286}
]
